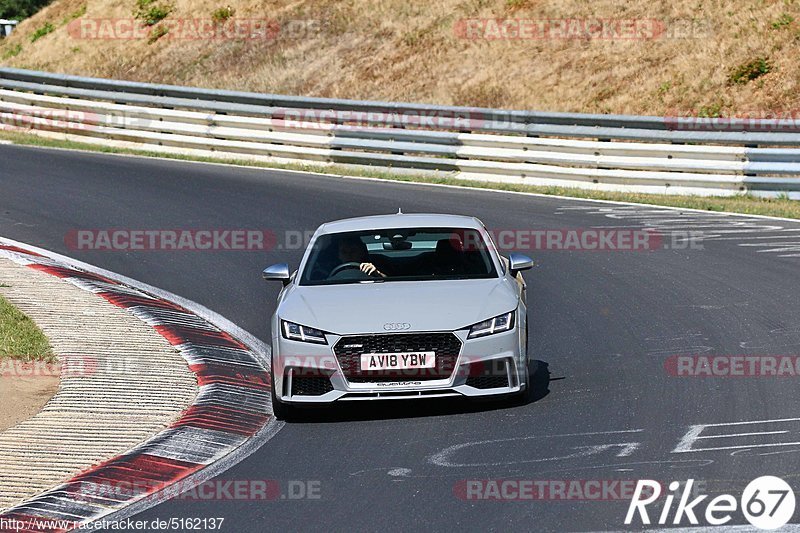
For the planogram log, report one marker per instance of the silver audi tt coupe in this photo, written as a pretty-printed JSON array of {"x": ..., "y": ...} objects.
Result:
[{"x": 398, "y": 307}]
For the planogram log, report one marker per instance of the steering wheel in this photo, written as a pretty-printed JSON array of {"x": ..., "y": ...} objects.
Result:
[{"x": 344, "y": 266}]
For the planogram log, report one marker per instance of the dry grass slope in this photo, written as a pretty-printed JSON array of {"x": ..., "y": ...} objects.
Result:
[{"x": 715, "y": 57}]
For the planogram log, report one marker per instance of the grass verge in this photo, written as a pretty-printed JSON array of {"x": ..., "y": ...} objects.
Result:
[
  {"x": 20, "y": 338},
  {"x": 745, "y": 204}
]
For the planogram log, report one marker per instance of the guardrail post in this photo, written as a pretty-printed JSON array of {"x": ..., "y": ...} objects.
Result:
[
  {"x": 398, "y": 127},
  {"x": 750, "y": 174}
]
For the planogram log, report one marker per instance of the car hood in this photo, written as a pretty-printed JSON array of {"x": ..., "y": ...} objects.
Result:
[{"x": 426, "y": 306}]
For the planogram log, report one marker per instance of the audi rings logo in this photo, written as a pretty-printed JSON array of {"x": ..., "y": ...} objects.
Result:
[{"x": 396, "y": 326}]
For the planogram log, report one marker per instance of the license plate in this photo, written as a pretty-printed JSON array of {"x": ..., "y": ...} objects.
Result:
[{"x": 398, "y": 361}]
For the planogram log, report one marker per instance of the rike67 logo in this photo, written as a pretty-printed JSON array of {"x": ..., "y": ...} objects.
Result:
[{"x": 767, "y": 502}]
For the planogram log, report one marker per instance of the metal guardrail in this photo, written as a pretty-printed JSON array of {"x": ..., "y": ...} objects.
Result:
[
  {"x": 613, "y": 152},
  {"x": 6, "y": 27}
]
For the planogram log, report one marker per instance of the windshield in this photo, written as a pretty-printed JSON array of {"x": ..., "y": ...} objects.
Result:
[{"x": 408, "y": 254}]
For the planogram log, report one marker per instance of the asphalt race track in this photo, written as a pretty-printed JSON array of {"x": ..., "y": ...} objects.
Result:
[{"x": 603, "y": 325}]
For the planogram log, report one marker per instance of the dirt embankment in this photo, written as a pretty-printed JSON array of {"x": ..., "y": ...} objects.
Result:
[{"x": 713, "y": 58}]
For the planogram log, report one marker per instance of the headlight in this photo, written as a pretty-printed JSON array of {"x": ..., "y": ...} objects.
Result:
[
  {"x": 494, "y": 325},
  {"x": 296, "y": 332}
]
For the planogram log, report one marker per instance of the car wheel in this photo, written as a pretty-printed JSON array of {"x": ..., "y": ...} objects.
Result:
[{"x": 524, "y": 396}]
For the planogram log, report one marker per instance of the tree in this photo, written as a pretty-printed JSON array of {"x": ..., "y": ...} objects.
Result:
[{"x": 20, "y": 9}]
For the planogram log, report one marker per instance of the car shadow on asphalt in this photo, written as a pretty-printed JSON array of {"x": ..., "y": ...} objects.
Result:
[{"x": 364, "y": 410}]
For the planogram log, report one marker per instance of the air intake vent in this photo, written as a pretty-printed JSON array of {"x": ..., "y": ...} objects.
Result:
[
  {"x": 311, "y": 385},
  {"x": 491, "y": 375}
]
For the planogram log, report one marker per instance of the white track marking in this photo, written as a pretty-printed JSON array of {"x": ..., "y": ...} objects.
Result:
[
  {"x": 781, "y": 235},
  {"x": 711, "y": 226},
  {"x": 442, "y": 458},
  {"x": 731, "y": 435},
  {"x": 768, "y": 244},
  {"x": 694, "y": 434}
]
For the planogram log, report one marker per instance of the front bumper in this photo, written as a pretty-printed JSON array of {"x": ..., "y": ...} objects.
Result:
[{"x": 308, "y": 373}]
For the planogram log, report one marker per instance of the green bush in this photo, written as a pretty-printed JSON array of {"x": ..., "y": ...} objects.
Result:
[
  {"x": 151, "y": 12},
  {"x": 157, "y": 33},
  {"x": 12, "y": 52},
  {"x": 41, "y": 31},
  {"x": 782, "y": 21},
  {"x": 20, "y": 9},
  {"x": 516, "y": 4},
  {"x": 222, "y": 14},
  {"x": 78, "y": 13},
  {"x": 710, "y": 111},
  {"x": 751, "y": 70}
]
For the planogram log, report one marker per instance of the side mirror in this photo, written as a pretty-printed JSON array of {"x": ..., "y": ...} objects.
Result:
[
  {"x": 278, "y": 272},
  {"x": 519, "y": 262}
]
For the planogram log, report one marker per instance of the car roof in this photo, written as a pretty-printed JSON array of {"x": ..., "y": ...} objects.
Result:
[{"x": 400, "y": 220}]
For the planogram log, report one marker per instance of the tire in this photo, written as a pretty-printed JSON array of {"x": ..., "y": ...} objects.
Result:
[{"x": 525, "y": 396}]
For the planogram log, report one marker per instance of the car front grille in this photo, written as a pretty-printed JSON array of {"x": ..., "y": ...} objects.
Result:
[{"x": 446, "y": 347}]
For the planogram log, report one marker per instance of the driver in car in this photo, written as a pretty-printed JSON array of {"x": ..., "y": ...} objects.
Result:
[{"x": 353, "y": 250}]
